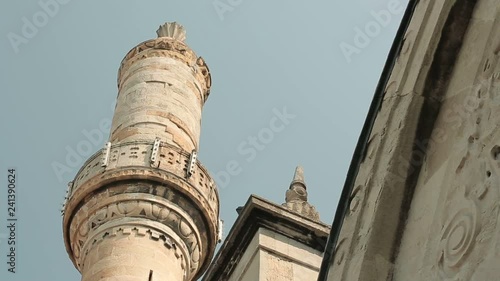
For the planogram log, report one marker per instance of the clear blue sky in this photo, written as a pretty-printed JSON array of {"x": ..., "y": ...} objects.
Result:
[{"x": 59, "y": 66}]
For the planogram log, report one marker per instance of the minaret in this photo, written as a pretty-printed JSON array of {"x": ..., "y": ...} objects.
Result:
[{"x": 144, "y": 208}]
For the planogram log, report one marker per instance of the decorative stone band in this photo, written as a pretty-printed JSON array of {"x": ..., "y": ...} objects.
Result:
[
  {"x": 167, "y": 47},
  {"x": 118, "y": 209},
  {"x": 136, "y": 157},
  {"x": 303, "y": 208},
  {"x": 139, "y": 229},
  {"x": 130, "y": 162}
]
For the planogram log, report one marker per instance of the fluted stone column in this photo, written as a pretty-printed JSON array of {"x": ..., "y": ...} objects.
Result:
[{"x": 144, "y": 208}]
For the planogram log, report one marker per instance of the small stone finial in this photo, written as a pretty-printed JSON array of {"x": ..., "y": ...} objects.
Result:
[
  {"x": 298, "y": 189},
  {"x": 172, "y": 30},
  {"x": 296, "y": 196},
  {"x": 298, "y": 177}
]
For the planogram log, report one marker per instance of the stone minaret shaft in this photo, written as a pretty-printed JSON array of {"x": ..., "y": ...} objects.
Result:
[{"x": 143, "y": 208}]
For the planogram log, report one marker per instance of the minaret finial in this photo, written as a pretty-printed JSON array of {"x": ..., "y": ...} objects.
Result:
[
  {"x": 296, "y": 196},
  {"x": 172, "y": 30}
]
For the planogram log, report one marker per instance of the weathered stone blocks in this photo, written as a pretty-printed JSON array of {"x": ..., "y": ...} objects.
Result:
[{"x": 144, "y": 207}]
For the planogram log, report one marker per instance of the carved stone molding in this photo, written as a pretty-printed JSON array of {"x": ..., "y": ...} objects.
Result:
[
  {"x": 137, "y": 231},
  {"x": 140, "y": 201},
  {"x": 172, "y": 30},
  {"x": 458, "y": 237},
  {"x": 137, "y": 174},
  {"x": 470, "y": 222},
  {"x": 127, "y": 187},
  {"x": 160, "y": 211},
  {"x": 168, "y": 47},
  {"x": 172, "y": 161}
]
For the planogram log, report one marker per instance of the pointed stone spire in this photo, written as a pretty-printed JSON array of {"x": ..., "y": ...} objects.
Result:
[
  {"x": 298, "y": 177},
  {"x": 296, "y": 196},
  {"x": 172, "y": 30},
  {"x": 298, "y": 189}
]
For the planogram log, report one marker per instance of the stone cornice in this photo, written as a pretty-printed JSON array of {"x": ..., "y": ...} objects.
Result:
[{"x": 258, "y": 213}]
